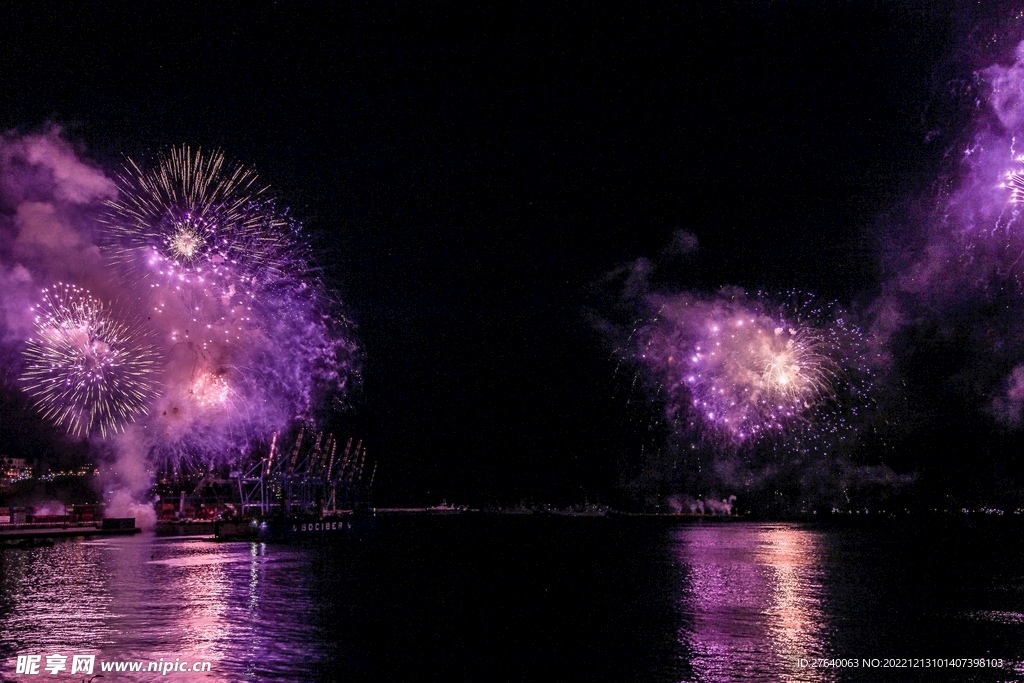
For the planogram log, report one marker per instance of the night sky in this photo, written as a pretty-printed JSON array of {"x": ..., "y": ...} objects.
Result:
[{"x": 472, "y": 176}]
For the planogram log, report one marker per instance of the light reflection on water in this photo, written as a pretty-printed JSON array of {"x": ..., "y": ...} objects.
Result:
[
  {"x": 514, "y": 600},
  {"x": 752, "y": 601},
  {"x": 145, "y": 599}
]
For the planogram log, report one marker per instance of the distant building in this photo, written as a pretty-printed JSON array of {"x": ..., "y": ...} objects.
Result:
[
  {"x": 12, "y": 470},
  {"x": 86, "y": 470}
]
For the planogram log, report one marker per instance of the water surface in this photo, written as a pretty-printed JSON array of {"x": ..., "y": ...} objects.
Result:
[{"x": 523, "y": 599}]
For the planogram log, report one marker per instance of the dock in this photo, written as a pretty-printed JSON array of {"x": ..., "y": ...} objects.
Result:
[{"x": 119, "y": 526}]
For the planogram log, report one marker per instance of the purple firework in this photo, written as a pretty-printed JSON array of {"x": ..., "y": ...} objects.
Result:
[
  {"x": 252, "y": 340},
  {"x": 85, "y": 369},
  {"x": 739, "y": 368},
  {"x": 193, "y": 218}
]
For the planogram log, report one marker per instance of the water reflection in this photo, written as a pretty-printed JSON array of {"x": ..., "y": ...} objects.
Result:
[
  {"x": 145, "y": 599},
  {"x": 752, "y": 601}
]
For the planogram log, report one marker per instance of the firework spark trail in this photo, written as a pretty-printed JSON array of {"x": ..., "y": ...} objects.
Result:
[
  {"x": 193, "y": 217},
  {"x": 202, "y": 230},
  {"x": 741, "y": 369},
  {"x": 85, "y": 369}
]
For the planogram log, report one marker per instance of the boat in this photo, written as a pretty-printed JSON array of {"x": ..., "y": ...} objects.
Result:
[{"x": 299, "y": 528}]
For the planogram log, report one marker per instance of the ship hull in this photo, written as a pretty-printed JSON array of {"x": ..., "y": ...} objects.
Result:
[{"x": 299, "y": 529}]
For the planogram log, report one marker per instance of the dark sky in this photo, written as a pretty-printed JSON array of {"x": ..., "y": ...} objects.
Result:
[{"x": 470, "y": 175}]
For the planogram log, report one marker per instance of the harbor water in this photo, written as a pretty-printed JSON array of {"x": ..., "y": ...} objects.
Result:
[{"x": 477, "y": 598}]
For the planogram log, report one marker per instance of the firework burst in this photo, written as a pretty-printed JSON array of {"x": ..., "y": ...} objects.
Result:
[
  {"x": 86, "y": 370},
  {"x": 251, "y": 339},
  {"x": 741, "y": 369},
  {"x": 196, "y": 219}
]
